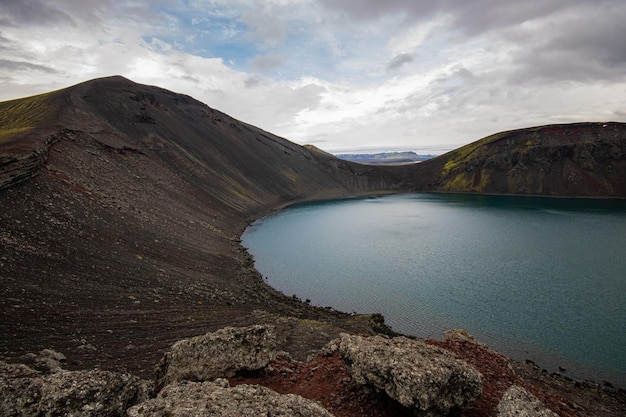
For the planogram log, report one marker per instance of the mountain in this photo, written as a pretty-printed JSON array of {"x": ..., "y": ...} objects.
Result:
[
  {"x": 570, "y": 160},
  {"x": 383, "y": 158},
  {"x": 242, "y": 162},
  {"x": 121, "y": 208}
]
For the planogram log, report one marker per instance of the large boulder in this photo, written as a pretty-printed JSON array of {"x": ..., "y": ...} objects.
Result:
[
  {"x": 425, "y": 378},
  {"x": 519, "y": 402},
  {"x": 217, "y": 355},
  {"x": 26, "y": 392},
  {"x": 206, "y": 399}
]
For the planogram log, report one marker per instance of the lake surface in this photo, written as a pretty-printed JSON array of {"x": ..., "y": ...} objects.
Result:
[{"x": 539, "y": 279}]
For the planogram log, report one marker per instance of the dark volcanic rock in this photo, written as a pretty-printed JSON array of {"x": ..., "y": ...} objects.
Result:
[{"x": 23, "y": 164}]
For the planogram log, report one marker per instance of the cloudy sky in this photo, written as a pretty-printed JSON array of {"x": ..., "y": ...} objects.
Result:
[{"x": 344, "y": 75}]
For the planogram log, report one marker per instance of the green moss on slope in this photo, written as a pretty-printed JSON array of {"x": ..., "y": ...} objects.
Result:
[{"x": 22, "y": 115}]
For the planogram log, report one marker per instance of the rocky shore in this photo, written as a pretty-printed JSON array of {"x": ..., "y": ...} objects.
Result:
[{"x": 241, "y": 372}]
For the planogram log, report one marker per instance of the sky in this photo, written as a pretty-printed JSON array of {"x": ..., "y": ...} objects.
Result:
[{"x": 343, "y": 75}]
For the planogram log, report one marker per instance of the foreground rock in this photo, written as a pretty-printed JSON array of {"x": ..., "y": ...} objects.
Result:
[
  {"x": 206, "y": 399},
  {"x": 218, "y": 355},
  {"x": 425, "y": 378},
  {"x": 519, "y": 402},
  {"x": 26, "y": 392}
]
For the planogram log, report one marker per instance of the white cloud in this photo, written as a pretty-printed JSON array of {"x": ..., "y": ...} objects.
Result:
[{"x": 400, "y": 74}]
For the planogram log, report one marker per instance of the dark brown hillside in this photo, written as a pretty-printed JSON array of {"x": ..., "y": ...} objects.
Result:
[
  {"x": 575, "y": 160},
  {"x": 125, "y": 237},
  {"x": 226, "y": 156}
]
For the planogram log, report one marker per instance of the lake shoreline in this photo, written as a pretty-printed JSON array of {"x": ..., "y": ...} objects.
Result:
[{"x": 551, "y": 361}]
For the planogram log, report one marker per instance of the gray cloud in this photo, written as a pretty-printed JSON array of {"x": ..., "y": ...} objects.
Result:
[
  {"x": 6, "y": 64},
  {"x": 549, "y": 40},
  {"x": 399, "y": 61},
  {"x": 87, "y": 13},
  {"x": 473, "y": 17},
  {"x": 582, "y": 47},
  {"x": 374, "y": 9},
  {"x": 265, "y": 63},
  {"x": 601, "y": 37},
  {"x": 307, "y": 96},
  {"x": 268, "y": 29},
  {"x": 252, "y": 82},
  {"x": 32, "y": 12},
  {"x": 5, "y": 44}
]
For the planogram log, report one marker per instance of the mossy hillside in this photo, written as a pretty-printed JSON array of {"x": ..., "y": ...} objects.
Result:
[
  {"x": 583, "y": 159},
  {"x": 21, "y": 115},
  {"x": 464, "y": 153},
  {"x": 468, "y": 181},
  {"x": 480, "y": 149}
]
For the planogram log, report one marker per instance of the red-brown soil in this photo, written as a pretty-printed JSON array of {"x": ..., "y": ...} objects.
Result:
[
  {"x": 326, "y": 379},
  {"x": 498, "y": 376}
]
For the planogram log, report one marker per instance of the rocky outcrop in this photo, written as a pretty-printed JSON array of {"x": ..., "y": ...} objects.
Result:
[
  {"x": 417, "y": 378},
  {"x": 26, "y": 392},
  {"x": 218, "y": 355},
  {"x": 206, "y": 399},
  {"x": 519, "y": 402},
  {"x": 428, "y": 379},
  {"x": 19, "y": 164}
]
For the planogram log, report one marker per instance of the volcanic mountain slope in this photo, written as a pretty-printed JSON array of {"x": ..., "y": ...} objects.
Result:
[
  {"x": 124, "y": 237},
  {"x": 572, "y": 160},
  {"x": 243, "y": 163}
]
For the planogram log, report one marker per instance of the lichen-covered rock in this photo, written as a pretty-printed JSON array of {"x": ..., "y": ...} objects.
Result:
[
  {"x": 206, "y": 399},
  {"x": 217, "y": 355},
  {"x": 519, "y": 402},
  {"x": 25, "y": 392},
  {"x": 428, "y": 379}
]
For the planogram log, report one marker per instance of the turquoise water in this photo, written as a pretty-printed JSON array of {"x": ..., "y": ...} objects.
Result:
[{"x": 539, "y": 279}]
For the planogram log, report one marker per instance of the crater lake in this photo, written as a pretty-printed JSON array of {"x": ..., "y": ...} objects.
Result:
[{"x": 534, "y": 278}]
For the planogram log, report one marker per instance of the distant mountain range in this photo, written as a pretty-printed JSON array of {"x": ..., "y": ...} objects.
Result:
[
  {"x": 384, "y": 158},
  {"x": 122, "y": 205}
]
